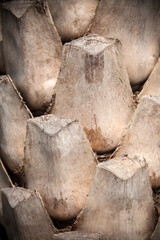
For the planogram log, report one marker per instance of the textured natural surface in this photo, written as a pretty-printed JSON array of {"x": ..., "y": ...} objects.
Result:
[
  {"x": 156, "y": 233},
  {"x": 152, "y": 85},
  {"x": 5, "y": 182},
  {"x": 142, "y": 136},
  {"x": 94, "y": 90},
  {"x": 136, "y": 24},
  {"x": 2, "y": 64},
  {"x": 119, "y": 203},
  {"x": 72, "y": 17},
  {"x": 59, "y": 163},
  {"x": 73, "y": 62},
  {"x": 32, "y": 50},
  {"x": 122, "y": 168},
  {"x": 13, "y": 121},
  {"x": 25, "y": 217},
  {"x": 78, "y": 236}
]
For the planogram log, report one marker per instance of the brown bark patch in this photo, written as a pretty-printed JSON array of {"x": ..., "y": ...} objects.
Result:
[
  {"x": 94, "y": 65},
  {"x": 154, "y": 180},
  {"x": 97, "y": 140}
]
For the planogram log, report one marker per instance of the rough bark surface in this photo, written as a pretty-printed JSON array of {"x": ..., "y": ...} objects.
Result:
[
  {"x": 59, "y": 163},
  {"x": 5, "y": 182},
  {"x": 136, "y": 24},
  {"x": 152, "y": 85},
  {"x": 142, "y": 136},
  {"x": 25, "y": 217},
  {"x": 79, "y": 236},
  {"x": 92, "y": 87},
  {"x": 115, "y": 206},
  {"x": 32, "y": 50},
  {"x": 156, "y": 233},
  {"x": 72, "y": 17},
  {"x": 13, "y": 122}
]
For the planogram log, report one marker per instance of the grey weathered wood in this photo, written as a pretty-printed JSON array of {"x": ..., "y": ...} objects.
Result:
[
  {"x": 93, "y": 87},
  {"x": 13, "y": 121},
  {"x": 72, "y": 17},
  {"x": 32, "y": 50},
  {"x": 120, "y": 203},
  {"x": 5, "y": 182},
  {"x": 136, "y": 24},
  {"x": 152, "y": 85},
  {"x": 142, "y": 136},
  {"x": 25, "y": 217},
  {"x": 59, "y": 163},
  {"x": 79, "y": 236}
]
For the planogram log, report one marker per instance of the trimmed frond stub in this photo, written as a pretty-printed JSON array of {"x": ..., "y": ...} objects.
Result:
[
  {"x": 119, "y": 204},
  {"x": 142, "y": 136},
  {"x": 59, "y": 163},
  {"x": 152, "y": 85},
  {"x": 25, "y": 216},
  {"x": 5, "y": 182},
  {"x": 136, "y": 24},
  {"x": 13, "y": 121},
  {"x": 72, "y": 17},
  {"x": 32, "y": 50},
  {"x": 93, "y": 87}
]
